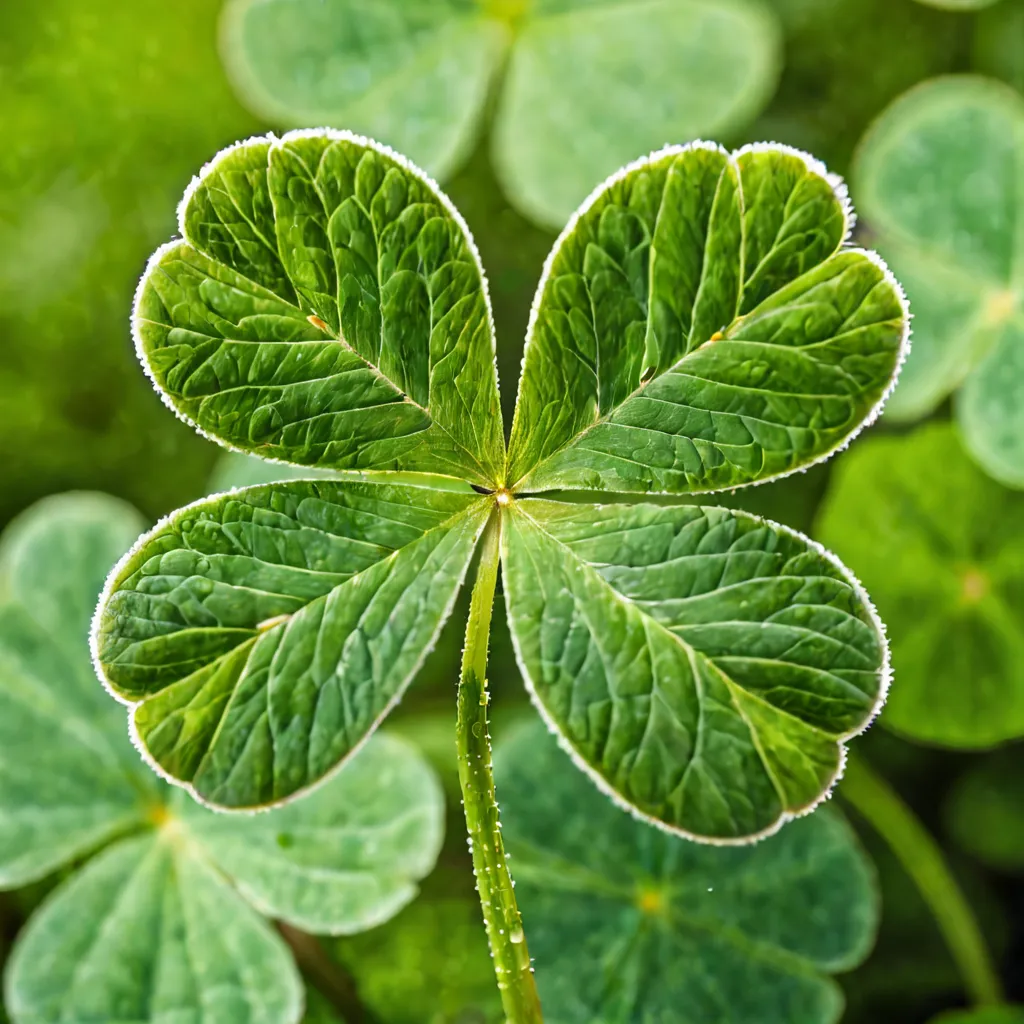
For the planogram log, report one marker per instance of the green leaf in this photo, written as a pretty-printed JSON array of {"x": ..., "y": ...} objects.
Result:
[
  {"x": 148, "y": 931},
  {"x": 430, "y": 964},
  {"x": 996, "y": 45},
  {"x": 985, "y": 1015},
  {"x": 938, "y": 545},
  {"x": 327, "y": 308},
  {"x": 413, "y": 75},
  {"x": 261, "y": 635},
  {"x": 703, "y": 666},
  {"x": 985, "y": 812},
  {"x": 700, "y": 326},
  {"x": 939, "y": 176},
  {"x": 69, "y": 779},
  {"x": 343, "y": 859},
  {"x": 590, "y": 85},
  {"x": 990, "y": 406},
  {"x": 958, "y": 5},
  {"x": 644, "y": 926},
  {"x": 612, "y": 79}
]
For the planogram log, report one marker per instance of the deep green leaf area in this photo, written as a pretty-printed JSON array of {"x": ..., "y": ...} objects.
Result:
[
  {"x": 995, "y": 49},
  {"x": 938, "y": 545},
  {"x": 643, "y": 926},
  {"x": 413, "y": 75},
  {"x": 985, "y": 811},
  {"x": 939, "y": 178},
  {"x": 262, "y": 634},
  {"x": 430, "y": 963},
  {"x": 396, "y": 368},
  {"x": 700, "y": 326},
  {"x": 344, "y": 858},
  {"x": 148, "y": 931},
  {"x": 69, "y": 778},
  {"x": 984, "y": 1015},
  {"x": 704, "y": 666}
]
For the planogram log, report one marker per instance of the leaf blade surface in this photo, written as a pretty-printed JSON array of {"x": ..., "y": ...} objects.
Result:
[
  {"x": 698, "y": 326},
  {"x": 937, "y": 543},
  {"x": 396, "y": 368},
  {"x": 576, "y": 72},
  {"x": 69, "y": 779},
  {"x": 703, "y": 666},
  {"x": 342, "y": 859},
  {"x": 645, "y": 925},
  {"x": 262, "y": 634},
  {"x": 146, "y": 930},
  {"x": 413, "y": 76}
]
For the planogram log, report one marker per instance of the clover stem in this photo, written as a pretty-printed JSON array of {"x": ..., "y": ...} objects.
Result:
[
  {"x": 493, "y": 881},
  {"x": 879, "y": 804}
]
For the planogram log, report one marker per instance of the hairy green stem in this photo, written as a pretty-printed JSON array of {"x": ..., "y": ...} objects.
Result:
[
  {"x": 922, "y": 859},
  {"x": 497, "y": 895}
]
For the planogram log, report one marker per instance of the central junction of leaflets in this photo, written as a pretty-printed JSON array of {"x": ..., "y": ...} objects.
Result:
[{"x": 701, "y": 324}]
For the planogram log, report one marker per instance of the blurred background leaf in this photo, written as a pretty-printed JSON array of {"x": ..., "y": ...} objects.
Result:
[
  {"x": 985, "y": 811},
  {"x": 939, "y": 178},
  {"x": 581, "y": 87},
  {"x": 938, "y": 545},
  {"x": 646, "y": 925}
]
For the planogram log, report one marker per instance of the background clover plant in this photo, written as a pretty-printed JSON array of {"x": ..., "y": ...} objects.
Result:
[
  {"x": 701, "y": 324},
  {"x": 161, "y": 909},
  {"x": 937, "y": 542},
  {"x": 939, "y": 176},
  {"x": 571, "y": 100},
  {"x": 644, "y": 926}
]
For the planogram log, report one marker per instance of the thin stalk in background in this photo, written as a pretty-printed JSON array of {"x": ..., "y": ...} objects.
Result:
[
  {"x": 879, "y": 804},
  {"x": 494, "y": 884}
]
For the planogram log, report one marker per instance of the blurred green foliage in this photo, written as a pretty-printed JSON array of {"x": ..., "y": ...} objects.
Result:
[
  {"x": 985, "y": 811},
  {"x": 939, "y": 547},
  {"x": 115, "y": 107}
]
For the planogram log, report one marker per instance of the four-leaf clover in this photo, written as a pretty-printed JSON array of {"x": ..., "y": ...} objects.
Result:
[{"x": 700, "y": 324}]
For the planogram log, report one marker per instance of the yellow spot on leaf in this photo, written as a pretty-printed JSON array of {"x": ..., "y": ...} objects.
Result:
[
  {"x": 717, "y": 336},
  {"x": 1001, "y": 305},
  {"x": 317, "y": 322},
  {"x": 650, "y": 901},
  {"x": 159, "y": 815},
  {"x": 973, "y": 586}
]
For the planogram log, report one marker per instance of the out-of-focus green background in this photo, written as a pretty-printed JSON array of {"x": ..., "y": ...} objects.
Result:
[{"x": 108, "y": 108}]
